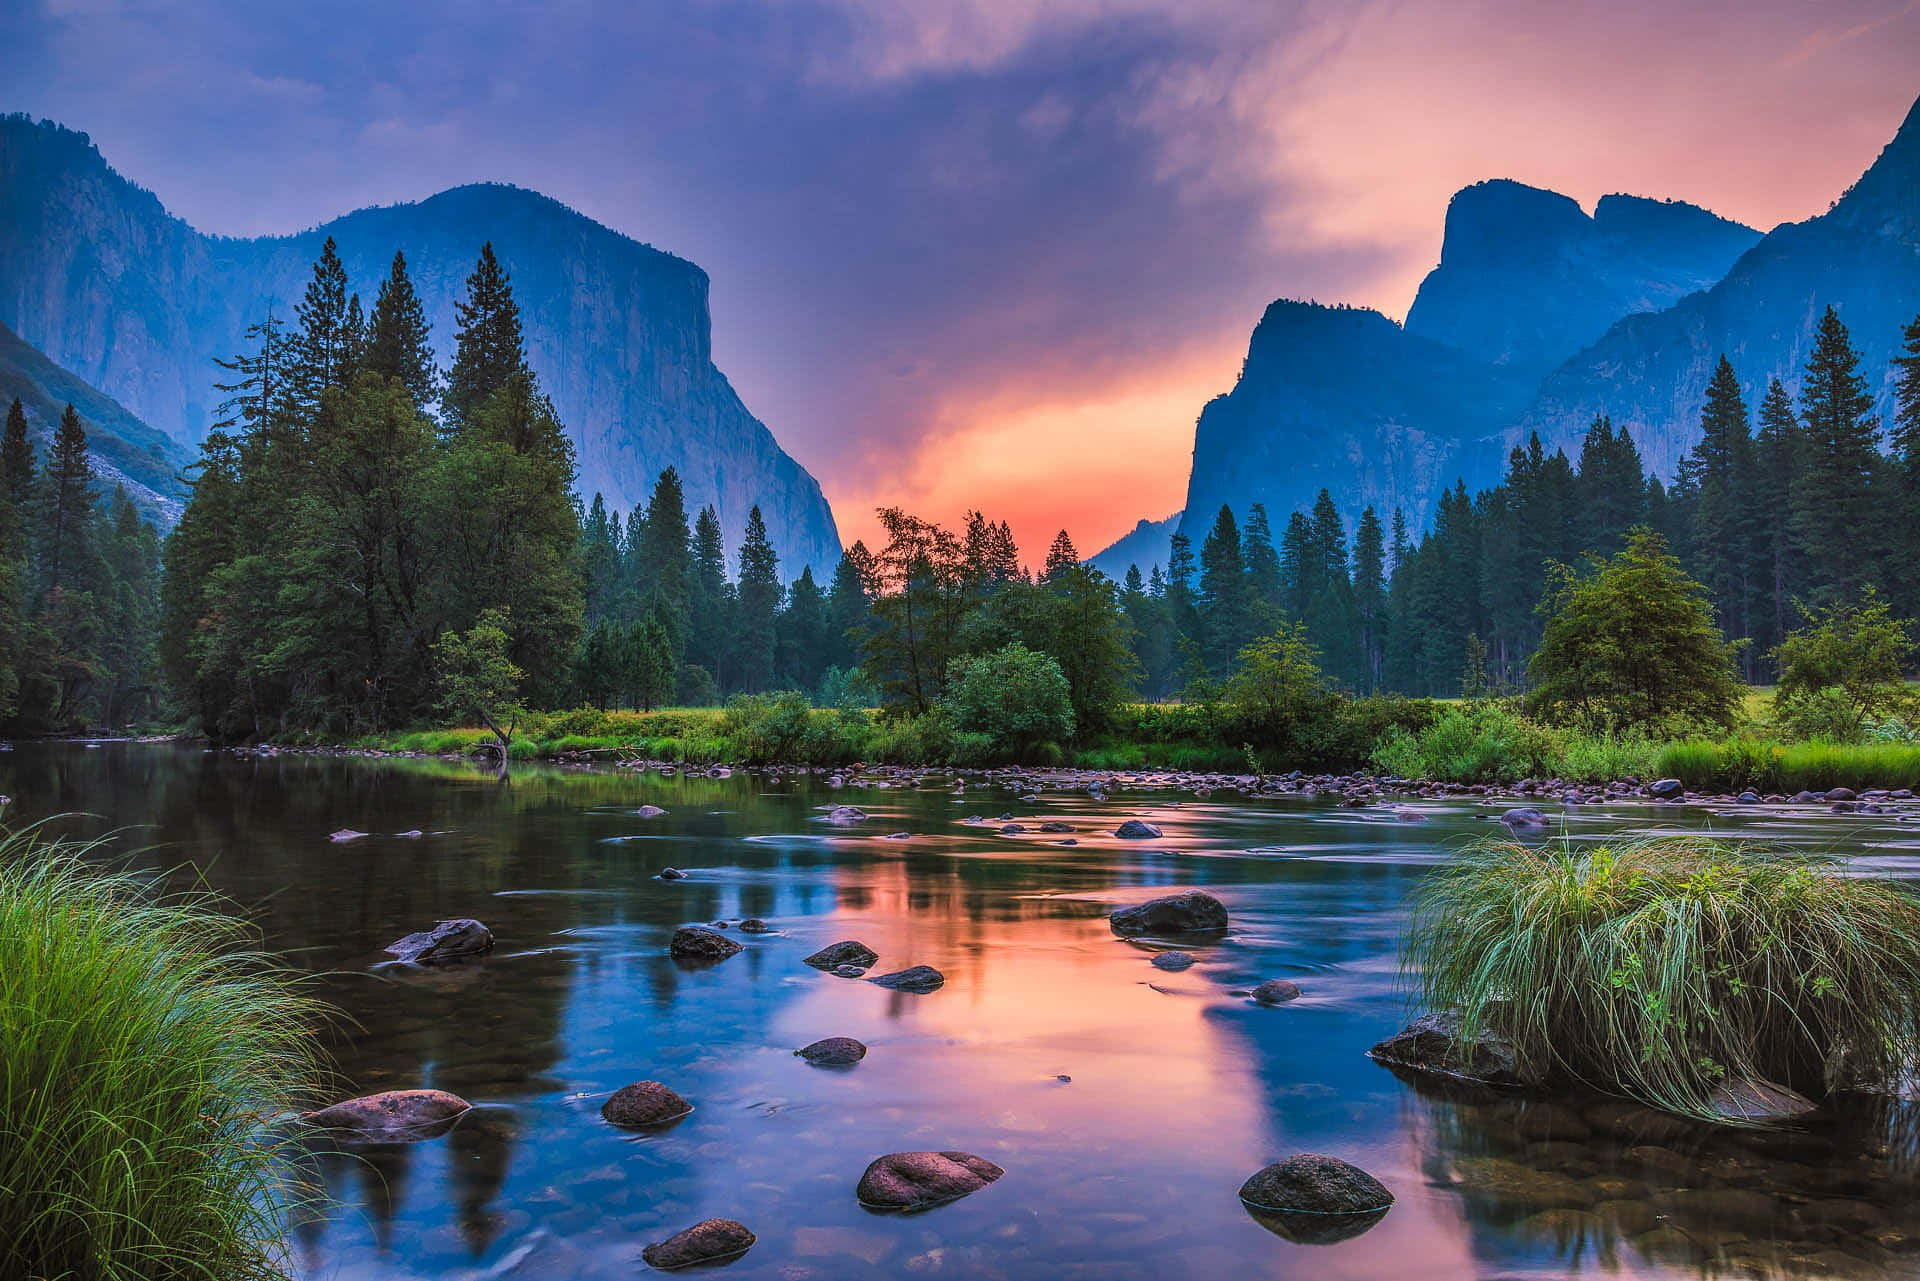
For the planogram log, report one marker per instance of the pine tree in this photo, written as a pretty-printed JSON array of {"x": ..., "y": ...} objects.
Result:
[
  {"x": 1724, "y": 514},
  {"x": 1906, "y": 399},
  {"x": 399, "y": 342},
  {"x": 759, "y": 602},
  {"x": 848, "y": 607},
  {"x": 1061, "y": 556},
  {"x": 1263, "y": 564},
  {"x": 1225, "y": 603},
  {"x": 1777, "y": 456},
  {"x": 489, "y": 348},
  {"x": 1835, "y": 500},
  {"x": 1612, "y": 487},
  {"x": 1370, "y": 599},
  {"x": 800, "y": 649},
  {"x": 706, "y": 626},
  {"x": 66, "y": 508},
  {"x": 325, "y": 345},
  {"x": 599, "y": 560},
  {"x": 16, "y": 459}
]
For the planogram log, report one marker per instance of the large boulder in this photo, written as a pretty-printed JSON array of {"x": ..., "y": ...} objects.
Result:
[
  {"x": 395, "y": 1116},
  {"x": 916, "y": 978},
  {"x": 1667, "y": 789},
  {"x": 709, "y": 1241},
  {"x": 698, "y": 943},
  {"x": 833, "y": 1051},
  {"x": 1437, "y": 1043},
  {"x": 1135, "y": 830},
  {"x": 1315, "y": 1184},
  {"x": 447, "y": 941},
  {"x": 919, "y": 1180},
  {"x": 1192, "y": 912},
  {"x": 845, "y": 952},
  {"x": 644, "y": 1103}
]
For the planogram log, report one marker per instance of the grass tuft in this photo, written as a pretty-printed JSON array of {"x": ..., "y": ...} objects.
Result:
[
  {"x": 1659, "y": 968},
  {"x": 143, "y": 1049}
]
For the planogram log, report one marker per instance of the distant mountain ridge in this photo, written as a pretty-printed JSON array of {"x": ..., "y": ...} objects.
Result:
[
  {"x": 98, "y": 275},
  {"x": 1539, "y": 318},
  {"x": 1145, "y": 545}
]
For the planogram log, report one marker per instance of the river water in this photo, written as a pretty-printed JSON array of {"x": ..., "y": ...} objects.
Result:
[{"x": 1126, "y": 1104}]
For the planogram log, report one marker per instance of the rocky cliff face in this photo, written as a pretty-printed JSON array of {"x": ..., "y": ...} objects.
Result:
[
  {"x": 1650, "y": 372},
  {"x": 1527, "y": 279},
  {"x": 1146, "y": 545},
  {"x": 1346, "y": 400},
  {"x": 125, "y": 451},
  {"x": 95, "y": 273}
]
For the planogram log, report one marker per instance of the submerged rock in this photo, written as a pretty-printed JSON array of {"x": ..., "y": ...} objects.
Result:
[
  {"x": 672, "y": 874},
  {"x": 395, "y": 1116},
  {"x": 920, "y": 1180},
  {"x": 1135, "y": 830},
  {"x": 850, "y": 971},
  {"x": 1055, "y": 825},
  {"x": 834, "y": 1051},
  {"x": 1276, "y": 992},
  {"x": 708, "y": 1241},
  {"x": 1192, "y": 912},
  {"x": 344, "y": 834},
  {"x": 446, "y": 941},
  {"x": 1524, "y": 818},
  {"x": 846, "y": 815},
  {"x": 644, "y": 1103},
  {"x": 917, "y": 978},
  {"x": 754, "y": 925},
  {"x": 845, "y": 952},
  {"x": 1754, "y": 1100},
  {"x": 649, "y": 811},
  {"x": 1314, "y": 1184},
  {"x": 1172, "y": 961},
  {"x": 1434, "y": 1043},
  {"x": 698, "y": 943}
]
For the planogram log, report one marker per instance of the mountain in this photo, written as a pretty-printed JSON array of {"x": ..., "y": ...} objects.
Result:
[
  {"x": 1527, "y": 279},
  {"x": 125, "y": 451},
  {"x": 1146, "y": 545},
  {"x": 1343, "y": 398},
  {"x": 1650, "y": 371},
  {"x": 98, "y": 275}
]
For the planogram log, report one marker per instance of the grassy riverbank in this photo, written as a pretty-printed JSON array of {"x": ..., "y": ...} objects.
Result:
[{"x": 1486, "y": 742}]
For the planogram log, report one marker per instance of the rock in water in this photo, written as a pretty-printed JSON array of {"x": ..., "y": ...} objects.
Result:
[
  {"x": 343, "y": 835},
  {"x": 709, "y": 1241},
  {"x": 396, "y": 1116},
  {"x": 846, "y": 815},
  {"x": 1524, "y": 818},
  {"x": 1190, "y": 913},
  {"x": 672, "y": 874},
  {"x": 1172, "y": 961},
  {"x": 698, "y": 943},
  {"x": 1435, "y": 1043},
  {"x": 834, "y": 1051},
  {"x": 649, "y": 811},
  {"x": 1667, "y": 789},
  {"x": 754, "y": 925},
  {"x": 920, "y": 1180},
  {"x": 447, "y": 941},
  {"x": 1135, "y": 830},
  {"x": 644, "y": 1103},
  {"x": 1315, "y": 1184},
  {"x": 1757, "y": 1100},
  {"x": 845, "y": 952},
  {"x": 918, "y": 978},
  {"x": 1276, "y": 992},
  {"x": 849, "y": 971}
]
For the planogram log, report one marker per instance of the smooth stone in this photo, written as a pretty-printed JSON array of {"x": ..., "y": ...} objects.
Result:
[
  {"x": 833, "y": 1051},
  {"x": 920, "y": 1180},
  {"x": 897, "y": 836},
  {"x": 1011, "y": 829},
  {"x": 916, "y": 978},
  {"x": 846, "y": 815},
  {"x": 1842, "y": 794},
  {"x": 754, "y": 925},
  {"x": 1135, "y": 830},
  {"x": 1193, "y": 912},
  {"x": 395, "y": 1116},
  {"x": 1314, "y": 1184},
  {"x": 850, "y": 971},
  {"x": 1276, "y": 992},
  {"x": 1524, "y": 818},
  {"x": 447, "y": 941},
  {"x": 698, "y": 943},
  {"x": 672, "y": 874},
  {"x": 709, "y": 1241},
  {"x": 845, "y": 952},
  {"x": 344, "y": 834},
  {"x": 644, "y": 1103},
  {"x": 1172, "y": 961},
  {"x": 1055, "y": 825},
  {"x": 1757, "y": 1100},
  {"x": 1521, "y": 1188},
  {"x": 649, "y": 811},
  {"x": 1667, "y": 789},
  {"x": 1435, "y": 1043}
]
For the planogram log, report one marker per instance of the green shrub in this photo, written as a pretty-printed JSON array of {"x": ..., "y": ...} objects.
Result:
[
  {"x": 764, "y": 728},
  {"x": 1661, "y": 968},
  {"x": 1016, "y": 697},
  {"x": 1480, "y": 742},
  {"x": 1601, "y": 758},
  {"x": 1844, "y": 669},
  {"x": 142, "y": 1050},
  {"x": 927, "y": 739}
]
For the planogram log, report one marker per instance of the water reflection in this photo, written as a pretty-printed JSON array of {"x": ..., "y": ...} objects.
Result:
[{"x": 1175, "y": 1089}]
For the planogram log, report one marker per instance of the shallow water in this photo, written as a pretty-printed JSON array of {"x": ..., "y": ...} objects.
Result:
[{"x": 1176, "y": 1088}]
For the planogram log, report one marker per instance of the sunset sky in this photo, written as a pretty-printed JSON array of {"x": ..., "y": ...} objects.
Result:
[{"x": 972, "y": 253}]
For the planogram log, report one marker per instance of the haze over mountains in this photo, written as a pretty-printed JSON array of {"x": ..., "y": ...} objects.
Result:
[
  {"x": 1538, "y": 318},
  {"x": 95, "y": 274}
]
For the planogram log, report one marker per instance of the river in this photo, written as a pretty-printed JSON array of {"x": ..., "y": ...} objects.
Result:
[{"x": 1125, "y": 1104}]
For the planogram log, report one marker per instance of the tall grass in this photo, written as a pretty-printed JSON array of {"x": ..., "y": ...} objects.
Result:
[
  {"x": 142, "y": 1047},
  {"x": 1660, "y": 968},
  {"x": 1731, "y": 764}
]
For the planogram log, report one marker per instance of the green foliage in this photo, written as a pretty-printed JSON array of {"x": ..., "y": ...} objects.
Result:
[
  {"x": 478, "y": 677},
  {"x": 1014, "y": 696},
  {"x": 1483, "y": 742},
  {"x": 144, "y": 1051},
  {"x": 765, "y": 728},
  {"x": 1661, "y": 968},
  {"x": 1631, "y": 645},
  {"x": 1846, "y": 667}
]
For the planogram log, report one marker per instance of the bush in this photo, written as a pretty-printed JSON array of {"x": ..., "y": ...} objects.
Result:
[
  {"x": 1016, "y": 697},
  {"x": 1475, "y": 743},
  {"x": 142, "y": 1048},
  {"x": 1661, "y": 968},
  {"x": 1844, "y": 669},
  {"x": 764, "y": 728}
]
